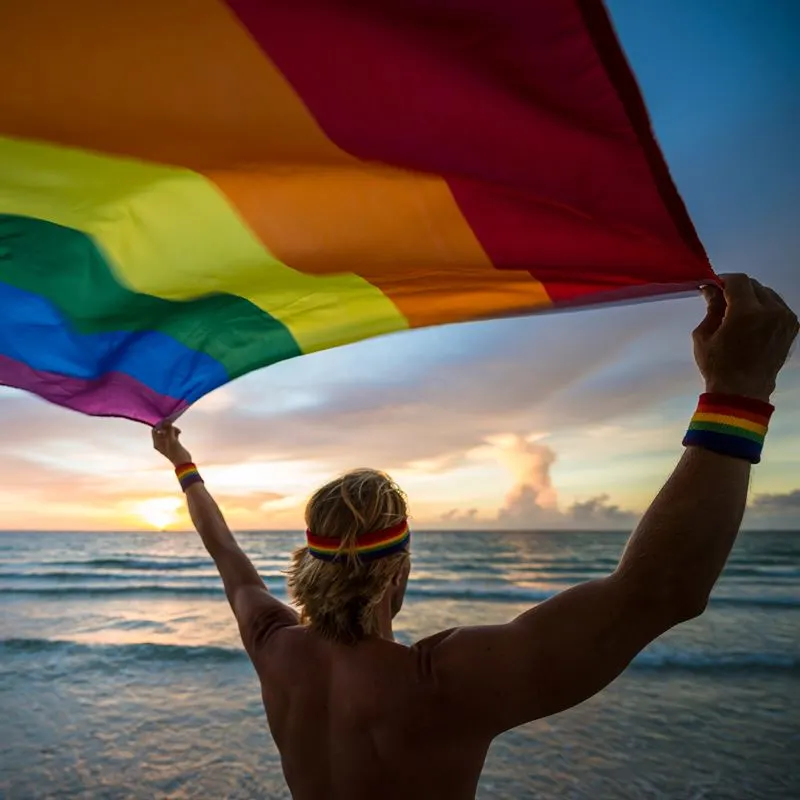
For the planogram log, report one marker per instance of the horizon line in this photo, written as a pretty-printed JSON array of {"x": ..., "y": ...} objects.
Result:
[{"x": 299, "y": 531}]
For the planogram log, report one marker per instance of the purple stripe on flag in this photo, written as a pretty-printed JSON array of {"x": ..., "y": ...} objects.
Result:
[{"x": 112, "y": 395}]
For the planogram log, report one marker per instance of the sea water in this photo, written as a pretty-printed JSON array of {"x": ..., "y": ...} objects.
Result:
[{"x": 121, "y": 675}]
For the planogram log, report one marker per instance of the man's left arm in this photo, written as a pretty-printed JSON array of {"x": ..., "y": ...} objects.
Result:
[{"x": 258, "y": 613}]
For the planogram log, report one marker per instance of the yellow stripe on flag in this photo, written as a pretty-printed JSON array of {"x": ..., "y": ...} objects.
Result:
[{"x": 172, "y": 234}]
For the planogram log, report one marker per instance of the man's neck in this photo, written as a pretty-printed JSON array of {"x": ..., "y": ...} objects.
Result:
[{"x": 385, "y": 620}]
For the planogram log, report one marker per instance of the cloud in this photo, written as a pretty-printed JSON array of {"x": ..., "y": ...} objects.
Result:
[
  {"x": 522, "y": 509},
  {"x": 599, "y": 510},
  {"x": 529, "y": 462},
  {"x": 508, "y": 376},
  {"x": 532, "y": 503},
  {"x": 41, "y": 492},
  {"x": 425, "y": 397},
  {"x": 419, "y": 402},
  {"x": 777, "y": 503},
  {"x": 455, "y": 515},
  {"x": 779, "y": 511}
]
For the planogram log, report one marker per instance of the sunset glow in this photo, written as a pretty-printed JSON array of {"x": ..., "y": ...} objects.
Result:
[{"x": 159, "y": 512}]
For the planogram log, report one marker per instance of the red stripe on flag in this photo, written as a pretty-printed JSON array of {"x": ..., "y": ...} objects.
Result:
[{"x": 528, "y": 109}]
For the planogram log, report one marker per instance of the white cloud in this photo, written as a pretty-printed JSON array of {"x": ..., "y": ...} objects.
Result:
[{"x": 532, "y": 503}]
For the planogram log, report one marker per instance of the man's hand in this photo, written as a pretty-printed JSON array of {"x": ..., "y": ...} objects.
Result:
[
  {"x": 166, "y": 439},
  {"x": 745, "y": 338}
]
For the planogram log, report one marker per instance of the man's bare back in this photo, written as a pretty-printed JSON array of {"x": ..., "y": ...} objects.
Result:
[
  {"x": 356, "y": 715},
  {"x": 365, "y": 721}
]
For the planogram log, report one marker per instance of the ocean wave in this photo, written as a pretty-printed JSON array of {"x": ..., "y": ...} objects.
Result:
[
  {"x": 716, "y": 661},
  {"x": 60, "y": 575},
  {"x": 561, "y": 571},
  {"x": 516, "y": 594},
  {"x": 455, "y": 592},
  {"x": 762, "y": 571},
  {"x": 781, "y": 591},
  {"x": 110, "y": 656},
  {"x": 131, "y": 652},
  {"x": 120, "y": 589},
  {"x": 137, "y": 563}
]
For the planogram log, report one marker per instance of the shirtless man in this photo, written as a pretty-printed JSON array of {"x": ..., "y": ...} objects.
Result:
[{"x": 357, "y": 716}]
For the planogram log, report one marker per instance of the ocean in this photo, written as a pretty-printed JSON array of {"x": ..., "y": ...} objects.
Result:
[{"x": 121, "y": 675}]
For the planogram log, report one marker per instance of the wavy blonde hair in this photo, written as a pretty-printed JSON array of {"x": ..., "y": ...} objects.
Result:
[{"x": 339, "y": 600}]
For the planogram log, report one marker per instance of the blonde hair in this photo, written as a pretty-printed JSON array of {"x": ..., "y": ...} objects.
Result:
[{"x": 339, "y": 599}]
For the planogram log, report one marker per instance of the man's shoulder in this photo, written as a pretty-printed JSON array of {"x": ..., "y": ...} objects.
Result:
[
  {"x": 284, "y": 635},
  {"x": 423, "y": 652},
  {"x": 430, "y": 642}
]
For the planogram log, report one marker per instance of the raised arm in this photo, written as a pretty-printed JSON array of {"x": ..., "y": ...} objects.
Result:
[
  {"x": 566, "y": 649},
  {"x": 257, "y": 611}
]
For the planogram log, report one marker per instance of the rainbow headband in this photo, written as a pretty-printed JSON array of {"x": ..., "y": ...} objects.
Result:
[{"x": 369, "y": 547}]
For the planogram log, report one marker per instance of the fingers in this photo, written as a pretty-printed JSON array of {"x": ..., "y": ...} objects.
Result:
[
  {"x": 769, "y": 298},
  {"x": 739, "y": 292},
  {"x": 159, "y": 437},
  {"x": 762, "y": 295},
  {"x": 714, "y": 298},
  {"x": 773, "y": 302},
  {"x": 777, "y": 299},
  {"x": 165, "y": 434},
  {"x": 743, "y": 295},
  {"x": 714, "y": 314}
]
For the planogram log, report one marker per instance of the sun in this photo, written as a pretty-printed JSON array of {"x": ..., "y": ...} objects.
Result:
[{"x": 158, "y": 512}]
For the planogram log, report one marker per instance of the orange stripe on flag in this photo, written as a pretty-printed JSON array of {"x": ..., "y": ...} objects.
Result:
[
  {"x": 401, "y": 231},
  {"x": 179, "y": 81}
]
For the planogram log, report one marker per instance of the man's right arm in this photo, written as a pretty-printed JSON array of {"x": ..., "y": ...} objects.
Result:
[
  {"x": 565, "y": 650},
  {"x": 570, "y": 647}
]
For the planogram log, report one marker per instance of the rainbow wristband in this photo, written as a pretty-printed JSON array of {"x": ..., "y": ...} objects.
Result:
[
  {"x": 730, "y": 425},
  {"x": 187, "y": 475}
]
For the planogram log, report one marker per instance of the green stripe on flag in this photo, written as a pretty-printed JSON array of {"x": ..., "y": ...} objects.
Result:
[{"x": 67, "y": 268}]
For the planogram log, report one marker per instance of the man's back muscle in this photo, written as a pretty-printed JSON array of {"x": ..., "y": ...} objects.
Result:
[{"x": 364, "y": 721}]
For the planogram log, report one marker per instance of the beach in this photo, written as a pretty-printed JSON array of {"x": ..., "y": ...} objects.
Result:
[{"x": 122, "y": 676}]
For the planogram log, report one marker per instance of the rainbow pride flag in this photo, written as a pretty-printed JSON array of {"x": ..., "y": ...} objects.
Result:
[{"x": 193, "y": 189}]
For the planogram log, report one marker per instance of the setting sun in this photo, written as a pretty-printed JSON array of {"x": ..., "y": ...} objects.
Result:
[{"x": 158, "y": 512}]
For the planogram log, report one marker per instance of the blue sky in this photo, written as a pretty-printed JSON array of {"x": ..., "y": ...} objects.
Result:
[{"x": 568, "y": 420}]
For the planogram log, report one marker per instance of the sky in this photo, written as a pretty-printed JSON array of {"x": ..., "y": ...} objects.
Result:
[{"x": 562, "y": 421}]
